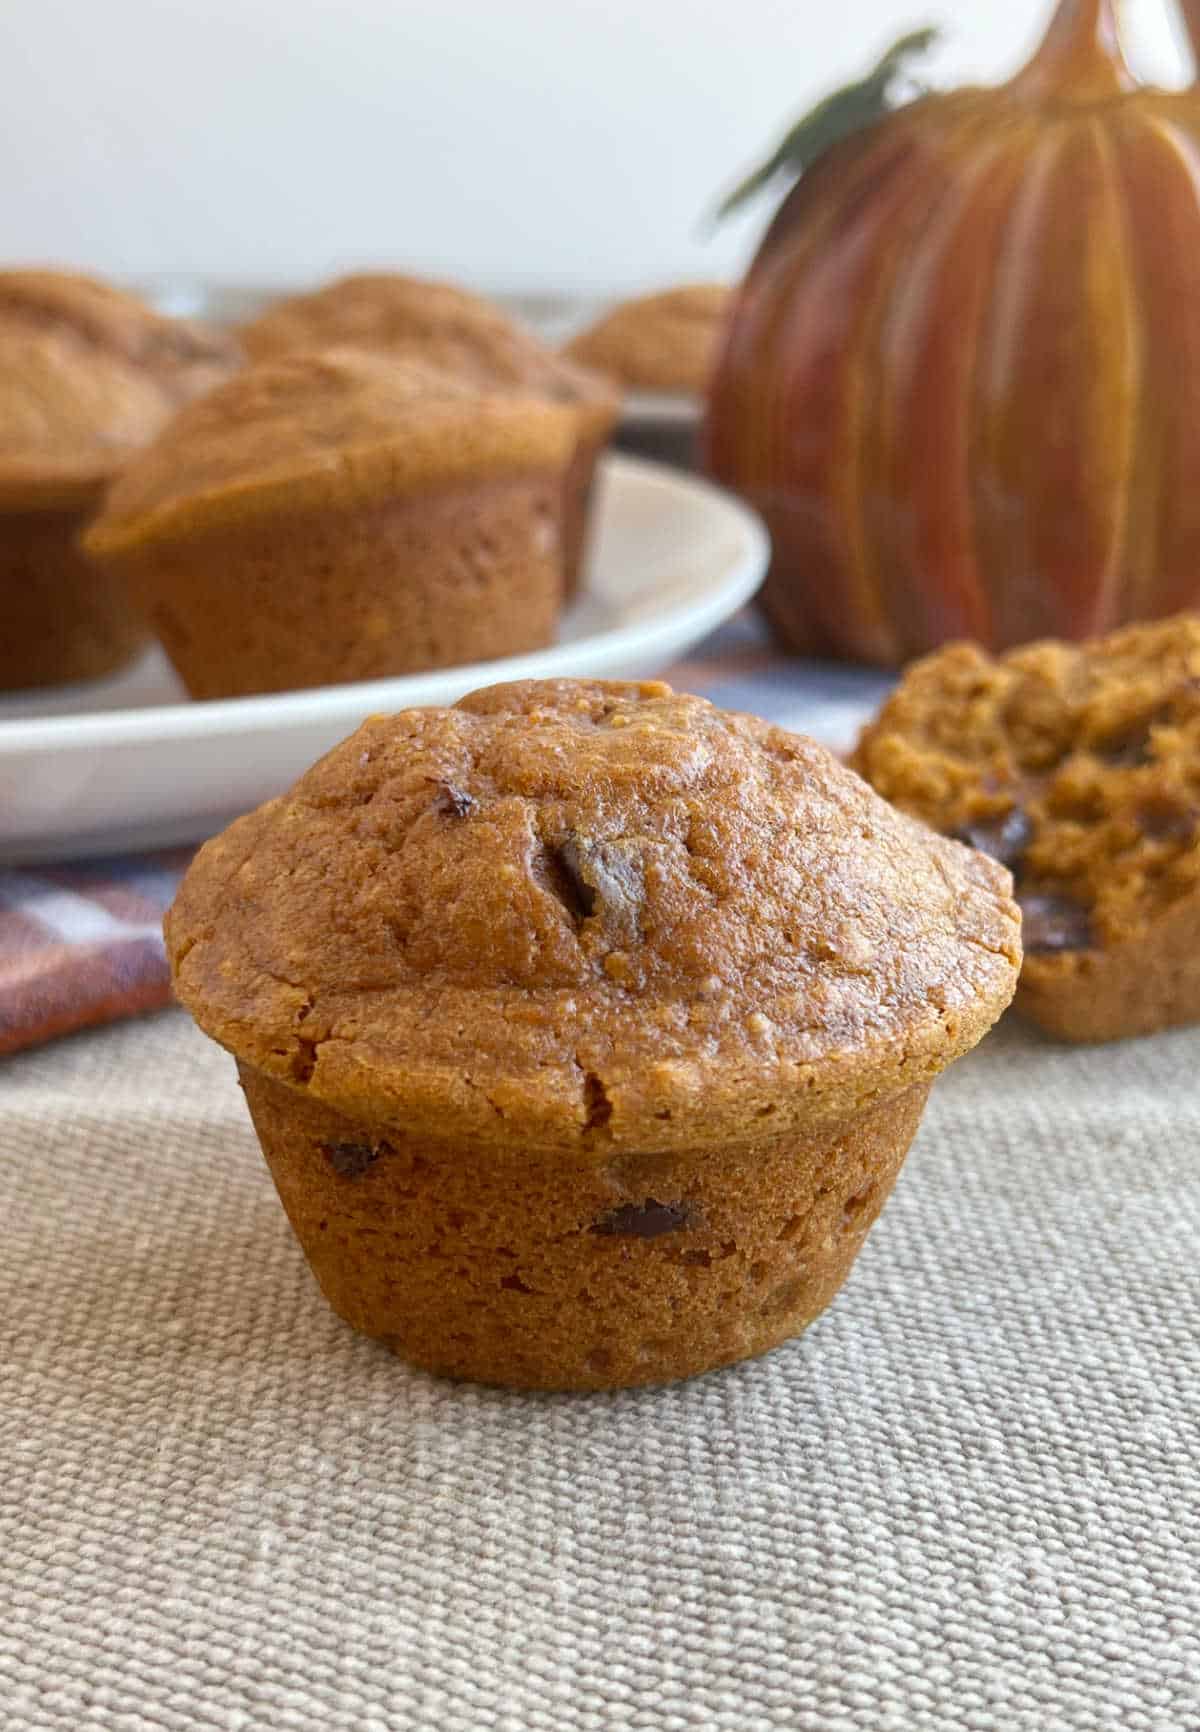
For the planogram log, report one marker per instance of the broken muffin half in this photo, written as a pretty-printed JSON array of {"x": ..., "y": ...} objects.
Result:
[{"x": 1078, "y": 767}]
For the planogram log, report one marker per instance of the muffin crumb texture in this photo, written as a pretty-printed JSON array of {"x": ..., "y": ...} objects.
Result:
[{"x": 1079, "y": 769}]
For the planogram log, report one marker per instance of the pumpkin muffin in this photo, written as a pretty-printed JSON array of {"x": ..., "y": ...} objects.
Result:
[
  {"x": 663, "y": 342},
  {"x": 1079, "y": 768},
  {"x": 463, "y": 333},
  {"x": 343, "y": 516},
  {"x": 87, "y": 375},
  {"x": 585, "y": 1026}
]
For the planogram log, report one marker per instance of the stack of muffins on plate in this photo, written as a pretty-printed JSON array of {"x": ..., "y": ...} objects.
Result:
[{"x": 386, "y": 476}]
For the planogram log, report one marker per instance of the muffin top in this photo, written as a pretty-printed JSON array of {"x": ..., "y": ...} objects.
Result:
[
  {"x": 586, "y": 913},
  {"x": 324, "y": 429},
  {"x": 447, "y": 325},
  {"x": 1077, "y": 765},
  {"x": 662, "y": 342},
  {"x": 88, "y": 375}
]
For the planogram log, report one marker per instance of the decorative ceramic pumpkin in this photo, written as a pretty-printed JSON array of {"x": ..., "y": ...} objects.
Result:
[{"x": 961, "y": 381}]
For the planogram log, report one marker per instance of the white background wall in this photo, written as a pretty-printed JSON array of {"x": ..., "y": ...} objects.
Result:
[{"x": 518, "y": 143}]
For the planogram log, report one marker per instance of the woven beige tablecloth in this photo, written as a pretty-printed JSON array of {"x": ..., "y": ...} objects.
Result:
[{"x": 968, "y": 1498}]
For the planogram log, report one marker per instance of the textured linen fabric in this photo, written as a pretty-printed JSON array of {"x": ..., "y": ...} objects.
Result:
[{"x": 968, "y": 1498}]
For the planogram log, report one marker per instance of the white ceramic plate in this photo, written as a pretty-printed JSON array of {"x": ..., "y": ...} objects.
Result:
[
  {"x": 129, "y": 763},
  {"x": 655, "y": 409}
]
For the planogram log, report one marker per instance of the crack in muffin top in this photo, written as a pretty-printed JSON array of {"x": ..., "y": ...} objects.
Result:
[{"x": 591, "y": 910}]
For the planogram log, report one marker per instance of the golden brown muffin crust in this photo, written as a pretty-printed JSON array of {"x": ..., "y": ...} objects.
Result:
[
  {"x": 88, "y": 374},
  {"x": 373, "y": 310},
  {"x": 414, "y": 319},
  {"x": 322, "y": 430},
  {"x": 565, "y": 909},
  {"x": 439, "y": 322},
  {"x": 1080, "y": 767},
  {"x": 660, "y": 342}
]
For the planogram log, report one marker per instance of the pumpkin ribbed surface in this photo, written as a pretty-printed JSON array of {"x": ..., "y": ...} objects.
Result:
[{"x": 962, "y": 378}]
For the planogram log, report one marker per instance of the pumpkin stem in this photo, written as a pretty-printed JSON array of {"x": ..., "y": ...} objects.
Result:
[
  {"x": 1080, "y": 58},
  {"x": 852, "y": 109}
]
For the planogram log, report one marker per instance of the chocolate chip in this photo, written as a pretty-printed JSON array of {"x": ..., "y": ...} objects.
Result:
[
  {"x": 571, "y": 856},
  {"x": 598, "y": 1108},
  {"x": 1005, "y": 839},
  {"x": 514, "y": 1284},
  {"x": 1130, "y": 749},
  {"x": 1051, "y": 922},
  {"x": 648, "y": 1220},
  {"x": 597, "y": 878},
  {"x": 351, "y": 1160},
  {"x": 452, "y": 802},
  {"x": 1168, "y": 823}
]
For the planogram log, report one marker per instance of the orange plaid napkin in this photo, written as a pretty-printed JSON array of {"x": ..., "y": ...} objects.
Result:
[{"x": 82, "y": 944}]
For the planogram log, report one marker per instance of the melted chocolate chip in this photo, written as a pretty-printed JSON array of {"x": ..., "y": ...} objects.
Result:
[
  {"x": 597, "y": 878},
  {"x": 1131, "y": 751},
  {"x": 572, "y": 857},
  {"x": 351, "y": 1160},
  {"x": 452, "y": 802},
  {"x": 1051, "y": 922},
  {"x": 1133, "y": 747},
  {"x": 1168, "y": 823},
  {"x": 1005, "y": 839},
  {"x": 648, "y": 1220},
  {"x": 598, "y": 1108}
]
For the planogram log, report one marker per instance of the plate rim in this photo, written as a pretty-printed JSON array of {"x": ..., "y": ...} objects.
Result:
[
  {"x": 661, "y": 409},
  {"x": 215, "y": 718}
]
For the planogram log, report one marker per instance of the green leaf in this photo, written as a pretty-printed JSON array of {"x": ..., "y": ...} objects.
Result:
[{"x": 838, "y": 116}]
